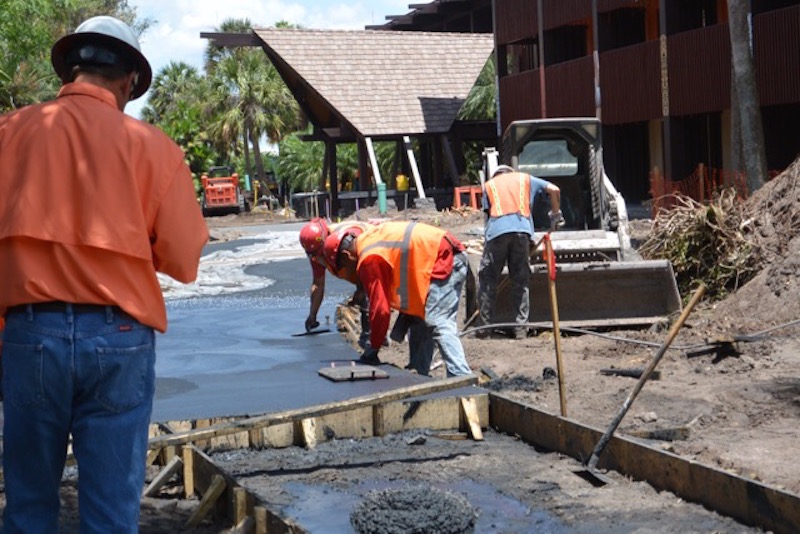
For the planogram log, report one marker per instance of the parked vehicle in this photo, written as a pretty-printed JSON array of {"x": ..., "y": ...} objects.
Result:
[
  {"x": 221, "y": 192},
  {"x": 601, "y": 280}
]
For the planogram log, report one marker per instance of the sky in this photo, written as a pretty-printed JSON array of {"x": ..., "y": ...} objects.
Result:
[{"x": 175, "y": 35}]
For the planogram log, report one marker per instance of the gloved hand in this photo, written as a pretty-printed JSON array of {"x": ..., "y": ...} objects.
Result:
[
  {"x": 556, "y": 220},
  {"x": 311, "y": 323},
  {"x": 369, "y": 356}
]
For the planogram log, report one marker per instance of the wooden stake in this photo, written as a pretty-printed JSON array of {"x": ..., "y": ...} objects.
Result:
[
  {"x": 261, "y": 519},
  {"x": 188, "y": 471},
  {"x": 470, "y": 411},
  {"x": 163, "y": 477},
  {"x": 215, "y": 490}
]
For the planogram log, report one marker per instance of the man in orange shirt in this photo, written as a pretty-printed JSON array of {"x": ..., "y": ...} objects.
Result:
[
  {"x": 92, "y": 203},
  {"x": 416, "y": 269}
]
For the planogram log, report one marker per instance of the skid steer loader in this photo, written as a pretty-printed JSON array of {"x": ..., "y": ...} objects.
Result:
[{"x": 600, "y": 280}]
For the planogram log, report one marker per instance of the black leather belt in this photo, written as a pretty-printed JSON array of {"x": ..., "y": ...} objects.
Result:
[{"x": 58, "y": 306}]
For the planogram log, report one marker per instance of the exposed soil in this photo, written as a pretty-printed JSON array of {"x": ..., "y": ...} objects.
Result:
[{"x": 736, "y": 410}]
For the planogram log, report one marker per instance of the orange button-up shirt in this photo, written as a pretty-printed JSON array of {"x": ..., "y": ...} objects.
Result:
[{"x": 92, "y": 203}]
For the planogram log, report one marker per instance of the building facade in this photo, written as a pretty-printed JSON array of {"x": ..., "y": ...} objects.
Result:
[{"x": 656, "y": 72}]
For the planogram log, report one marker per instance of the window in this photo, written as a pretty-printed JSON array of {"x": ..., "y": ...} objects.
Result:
[{"x": 547, "y": 158}]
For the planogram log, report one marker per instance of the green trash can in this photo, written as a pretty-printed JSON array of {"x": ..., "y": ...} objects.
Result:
[{"x": 382, "y": 198}]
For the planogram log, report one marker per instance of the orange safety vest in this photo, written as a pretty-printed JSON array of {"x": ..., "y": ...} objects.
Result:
[
  {"x": 411, "y": 249},
  {"x": 509, "y": 193}
]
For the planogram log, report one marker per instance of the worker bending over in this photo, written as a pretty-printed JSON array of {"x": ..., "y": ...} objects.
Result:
[
  {"x": 508, "y": 198},
  {"x": 312, "y": 239},
  {"x": 416, "y": 269}
]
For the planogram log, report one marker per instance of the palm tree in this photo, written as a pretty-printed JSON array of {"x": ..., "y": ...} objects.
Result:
[
  {"x": 177, "y": 105},
  {"x": 251, "y": 101}
]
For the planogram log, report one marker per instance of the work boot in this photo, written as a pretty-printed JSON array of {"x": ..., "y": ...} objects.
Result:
[{"x": 369, "y": 357}]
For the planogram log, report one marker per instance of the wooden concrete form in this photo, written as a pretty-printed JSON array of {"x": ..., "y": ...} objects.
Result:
[
  {"x": 738, "y": 497},
  {"x": 462, "y": 415}
]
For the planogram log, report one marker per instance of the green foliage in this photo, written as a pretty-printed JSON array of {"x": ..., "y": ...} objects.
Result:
[
  {"x": 481, "y": 102},
  {"x": 28, "y": 29},
  {"x": 177, "y": 105}
]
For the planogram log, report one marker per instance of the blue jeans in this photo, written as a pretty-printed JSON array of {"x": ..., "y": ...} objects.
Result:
[
  {"x": 440, "y": 326},
  {"x": 90, "y": 374}
]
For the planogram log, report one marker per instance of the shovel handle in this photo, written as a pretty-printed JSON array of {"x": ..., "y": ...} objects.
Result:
[{"x": 601, "y": 445}]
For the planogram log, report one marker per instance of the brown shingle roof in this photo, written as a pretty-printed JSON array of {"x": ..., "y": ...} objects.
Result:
[{"x": 385, "y": 83}]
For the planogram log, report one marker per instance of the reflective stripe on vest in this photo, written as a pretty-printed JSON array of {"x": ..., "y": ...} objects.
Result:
[
  {"x": 509, "y": 193},
  {"x": 411, "y": 250}
]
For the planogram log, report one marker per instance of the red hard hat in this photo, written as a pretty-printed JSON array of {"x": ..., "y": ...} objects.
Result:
[
  {"x": 334, "y": 242},
  {"x": 312, "y": 236}
]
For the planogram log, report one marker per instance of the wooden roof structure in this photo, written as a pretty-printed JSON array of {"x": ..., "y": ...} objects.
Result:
[{"x": 360, "y": 83}]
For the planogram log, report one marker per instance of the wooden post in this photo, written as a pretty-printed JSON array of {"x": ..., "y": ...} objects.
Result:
[
  {"x": 239, "y": 505},
  {"x": 188, "y": 471},
  {"x": 261, "y": 519},
  {"x": 378, "y": 420}
]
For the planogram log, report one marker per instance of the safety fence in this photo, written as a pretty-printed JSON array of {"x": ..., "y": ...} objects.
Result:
[{"x": 702, "y": 185}]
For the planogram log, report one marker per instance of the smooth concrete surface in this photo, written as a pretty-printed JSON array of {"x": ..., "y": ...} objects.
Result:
[{"x": 235, "y": 355}]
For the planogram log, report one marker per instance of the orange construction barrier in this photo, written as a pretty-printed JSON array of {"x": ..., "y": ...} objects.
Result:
[{"x": 475, "y": 196}]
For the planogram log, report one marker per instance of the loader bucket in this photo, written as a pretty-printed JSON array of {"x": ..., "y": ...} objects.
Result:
[{"x": 595, "y": 294}]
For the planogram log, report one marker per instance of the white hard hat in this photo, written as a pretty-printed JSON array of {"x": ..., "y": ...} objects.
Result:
[
  {"x": 102, "y": 40},
  {"x": 501, "y": 169}
]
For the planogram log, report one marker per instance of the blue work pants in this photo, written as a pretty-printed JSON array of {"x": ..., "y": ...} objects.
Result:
[{"x": 88, "y": 374}]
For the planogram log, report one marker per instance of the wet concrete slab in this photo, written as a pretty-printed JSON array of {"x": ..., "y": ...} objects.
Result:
[{"x": 235, "y": 355}]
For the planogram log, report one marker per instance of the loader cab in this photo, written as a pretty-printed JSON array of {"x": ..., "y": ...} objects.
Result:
[{"x": 565, "y": 153}]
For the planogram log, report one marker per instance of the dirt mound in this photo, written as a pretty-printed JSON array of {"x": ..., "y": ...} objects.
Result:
[{"x": 772, "y": 297}]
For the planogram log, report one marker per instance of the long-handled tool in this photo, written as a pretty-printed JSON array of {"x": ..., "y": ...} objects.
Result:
[
  {"x": 590, "y": 473},
  {"x": 550, "y": 259}
]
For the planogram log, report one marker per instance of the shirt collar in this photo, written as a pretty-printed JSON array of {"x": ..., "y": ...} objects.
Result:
[{"x": 88, "y": 89}]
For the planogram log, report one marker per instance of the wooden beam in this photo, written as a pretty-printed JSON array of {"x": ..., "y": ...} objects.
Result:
[
  {"x": 163, "y": 477},
  {"x": 450, "y": 159},
  {"x": 233, "y": 40},
  {"x": 214, "y": 492},
  {"x": 746, "y": 500},
  {"x": 263, "y": 421}
]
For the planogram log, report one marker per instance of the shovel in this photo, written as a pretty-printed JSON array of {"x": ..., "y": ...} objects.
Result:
[{"x": 589, "y": 473}]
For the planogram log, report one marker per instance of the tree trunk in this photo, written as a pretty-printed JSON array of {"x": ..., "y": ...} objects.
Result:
[
  {"x": 262, "y": 177},
  {"x": 752, "y": 133},
  {"x": 247, "y": 167}
]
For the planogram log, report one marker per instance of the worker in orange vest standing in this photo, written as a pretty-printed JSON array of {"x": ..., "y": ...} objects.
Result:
[
  {"x": 312, "y": 239},
  {"x": 418, "y": 270},
  {"x": 80, "y": 291},
  {"x": 507, "y": 198}
]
